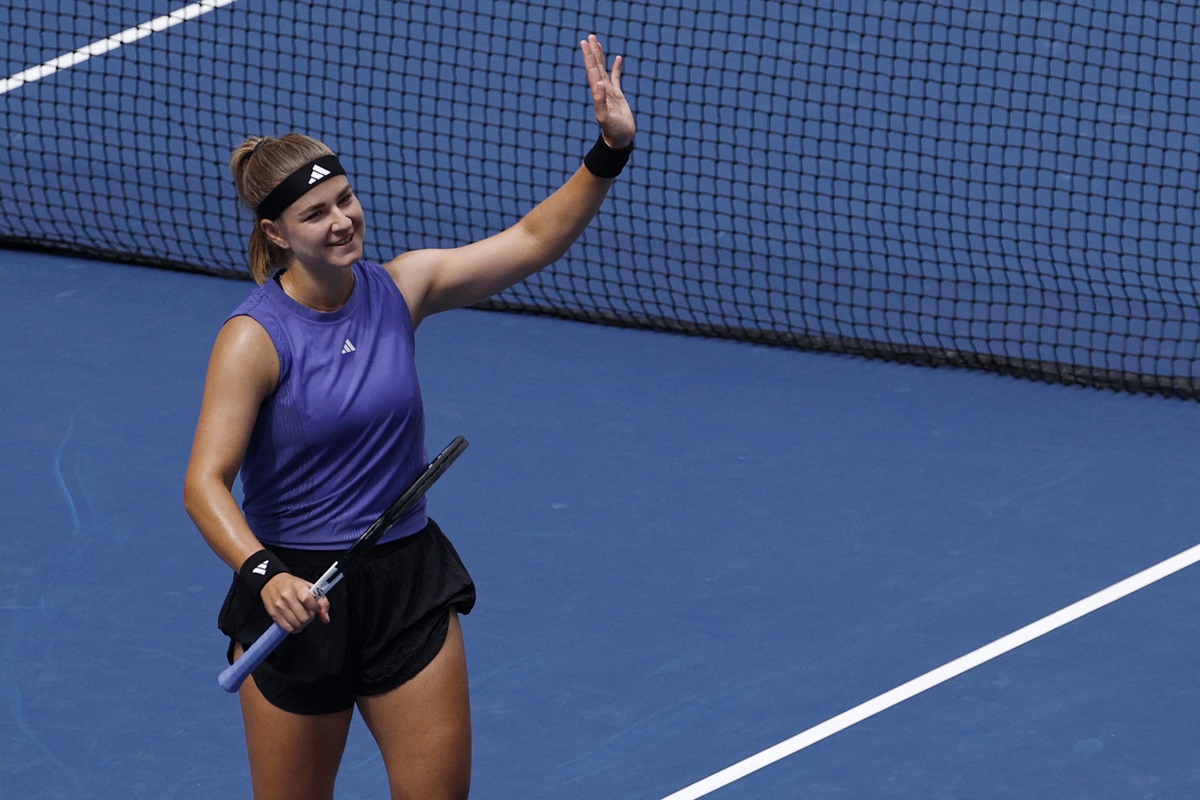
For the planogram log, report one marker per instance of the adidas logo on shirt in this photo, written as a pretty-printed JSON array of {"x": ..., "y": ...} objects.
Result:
[
  {"x": 348, "y": 347},
  {"x": 318, "y": 173}
]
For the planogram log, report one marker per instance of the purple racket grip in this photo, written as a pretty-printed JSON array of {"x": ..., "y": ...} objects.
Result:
[{"x": 232, "y": 677}]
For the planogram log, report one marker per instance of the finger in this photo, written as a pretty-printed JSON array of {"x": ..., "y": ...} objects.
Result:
[
  {"x": 589, "y": 60},
  {"x": 600, "y": 98},
  {"x": 597, "y": 50},
  {"x": 615, "y": 75},
  {"x": 303, "y": 616},
  {"x": 300, "y": 607},
  {"x": 310, "y": 602},
  {"x": 597, "y": 70},
  {"x": 289, "y": 618}
]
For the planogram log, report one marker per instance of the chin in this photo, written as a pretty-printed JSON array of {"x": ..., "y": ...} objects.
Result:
[{"x": 349, "y": 257}]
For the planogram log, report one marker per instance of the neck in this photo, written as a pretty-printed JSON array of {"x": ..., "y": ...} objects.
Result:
[{"x": 317, "y": 295}]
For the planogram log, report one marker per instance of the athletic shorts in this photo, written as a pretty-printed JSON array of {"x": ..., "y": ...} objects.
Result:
[{"x": 388, "y": 619}]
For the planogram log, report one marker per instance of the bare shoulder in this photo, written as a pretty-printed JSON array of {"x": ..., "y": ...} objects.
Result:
[
  {"x": 414, "y": 273},
  {"x": 245, "y": 337},
  {"x": 244, "y": 355},
  {"x": 413, "y": 266}
]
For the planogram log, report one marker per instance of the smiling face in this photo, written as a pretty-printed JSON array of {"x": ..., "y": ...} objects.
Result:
[{"x": 323, "y": 228}]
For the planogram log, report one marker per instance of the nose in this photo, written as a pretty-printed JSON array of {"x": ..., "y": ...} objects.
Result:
[{"x": 341, "y": 220}]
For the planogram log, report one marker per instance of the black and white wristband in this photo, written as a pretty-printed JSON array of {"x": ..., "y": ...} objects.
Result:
[
  {"x": 605, "y": 162},
  {"x": 260, "y": 568}
]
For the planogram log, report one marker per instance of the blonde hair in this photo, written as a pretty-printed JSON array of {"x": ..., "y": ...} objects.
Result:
[{"x": 258, "y": 165}]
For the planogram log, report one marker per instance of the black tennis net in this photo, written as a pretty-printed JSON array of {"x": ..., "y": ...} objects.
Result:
[{"x": 1007, "y": 186}]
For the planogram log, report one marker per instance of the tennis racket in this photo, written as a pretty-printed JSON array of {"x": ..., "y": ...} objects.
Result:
[{"x": 235, "y": 674}]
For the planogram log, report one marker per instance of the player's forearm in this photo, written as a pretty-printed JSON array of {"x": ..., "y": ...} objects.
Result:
[
  {"x": 559, "y": 220},
  {"x": 217, "y": 516}
]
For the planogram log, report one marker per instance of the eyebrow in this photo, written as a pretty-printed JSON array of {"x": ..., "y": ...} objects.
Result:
[
  {"x": 306, "y": 209},
  {"x": 314, "y": 206}
]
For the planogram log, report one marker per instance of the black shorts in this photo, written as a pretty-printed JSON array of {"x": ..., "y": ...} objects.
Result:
[{"x": 388, "y": 619}]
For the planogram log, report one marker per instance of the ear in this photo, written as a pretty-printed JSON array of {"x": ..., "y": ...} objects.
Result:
[{"x": 274, "y": 232}]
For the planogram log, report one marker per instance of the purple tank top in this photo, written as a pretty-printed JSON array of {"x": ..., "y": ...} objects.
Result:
[{"x": 344, "y": 433}]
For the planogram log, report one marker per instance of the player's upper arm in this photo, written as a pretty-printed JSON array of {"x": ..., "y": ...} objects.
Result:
[
  {"x": 242, "y": 372},
  {"x": 435, "y": 280}
]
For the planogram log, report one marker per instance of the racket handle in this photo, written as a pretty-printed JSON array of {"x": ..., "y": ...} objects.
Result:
[{"x": 232, "y": 677}]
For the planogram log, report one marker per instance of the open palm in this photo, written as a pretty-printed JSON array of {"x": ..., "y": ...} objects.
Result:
[{"x": 612, "y": 109}]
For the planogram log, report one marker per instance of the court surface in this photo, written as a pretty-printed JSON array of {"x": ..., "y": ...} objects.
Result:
[{"x": 687, "y": 551}]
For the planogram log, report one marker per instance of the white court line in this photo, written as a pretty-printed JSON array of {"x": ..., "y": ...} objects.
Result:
[
  {"x": 111, "y": 43},
  {"x": 939, "y": 675}
]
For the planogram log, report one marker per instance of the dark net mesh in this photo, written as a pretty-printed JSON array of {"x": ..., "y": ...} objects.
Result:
[{"x": 1007, "y": 186}]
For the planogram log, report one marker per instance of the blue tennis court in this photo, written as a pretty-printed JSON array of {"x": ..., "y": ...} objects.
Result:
[
  {"x": 688, "y": 551},
  {"x": 707, "y": 567}
]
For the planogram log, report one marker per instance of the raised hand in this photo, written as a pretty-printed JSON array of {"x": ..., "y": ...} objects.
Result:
[{"x": 612, "y": 109}]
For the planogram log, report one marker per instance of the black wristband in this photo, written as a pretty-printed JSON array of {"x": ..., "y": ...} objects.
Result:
[
  {"x": 260, "y": 568},
  {"x": 605, "y": 162}
]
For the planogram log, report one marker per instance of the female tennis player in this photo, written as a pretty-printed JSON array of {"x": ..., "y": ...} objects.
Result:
[{"x": 312, "y": 394}]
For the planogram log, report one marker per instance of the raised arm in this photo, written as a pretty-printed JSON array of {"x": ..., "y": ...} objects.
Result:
[{"x": 438, "y": 280}]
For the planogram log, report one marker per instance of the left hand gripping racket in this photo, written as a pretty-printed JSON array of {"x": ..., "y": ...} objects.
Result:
[{"x": 233, "y": 676}]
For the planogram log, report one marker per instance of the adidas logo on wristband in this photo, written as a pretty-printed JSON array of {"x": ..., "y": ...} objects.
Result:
[{"x": 260, "y": 568}]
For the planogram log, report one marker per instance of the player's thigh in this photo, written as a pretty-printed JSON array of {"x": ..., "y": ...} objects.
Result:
[
  {"x": 423, "y": 727},
  {"x": 291, "y": 755}
]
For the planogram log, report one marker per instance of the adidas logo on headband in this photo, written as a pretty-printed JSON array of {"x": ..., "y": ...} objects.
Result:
[{"x": 318, "y": 173}]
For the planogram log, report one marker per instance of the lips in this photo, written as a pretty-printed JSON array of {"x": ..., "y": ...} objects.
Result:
[{"x": 343, "y": 242}]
